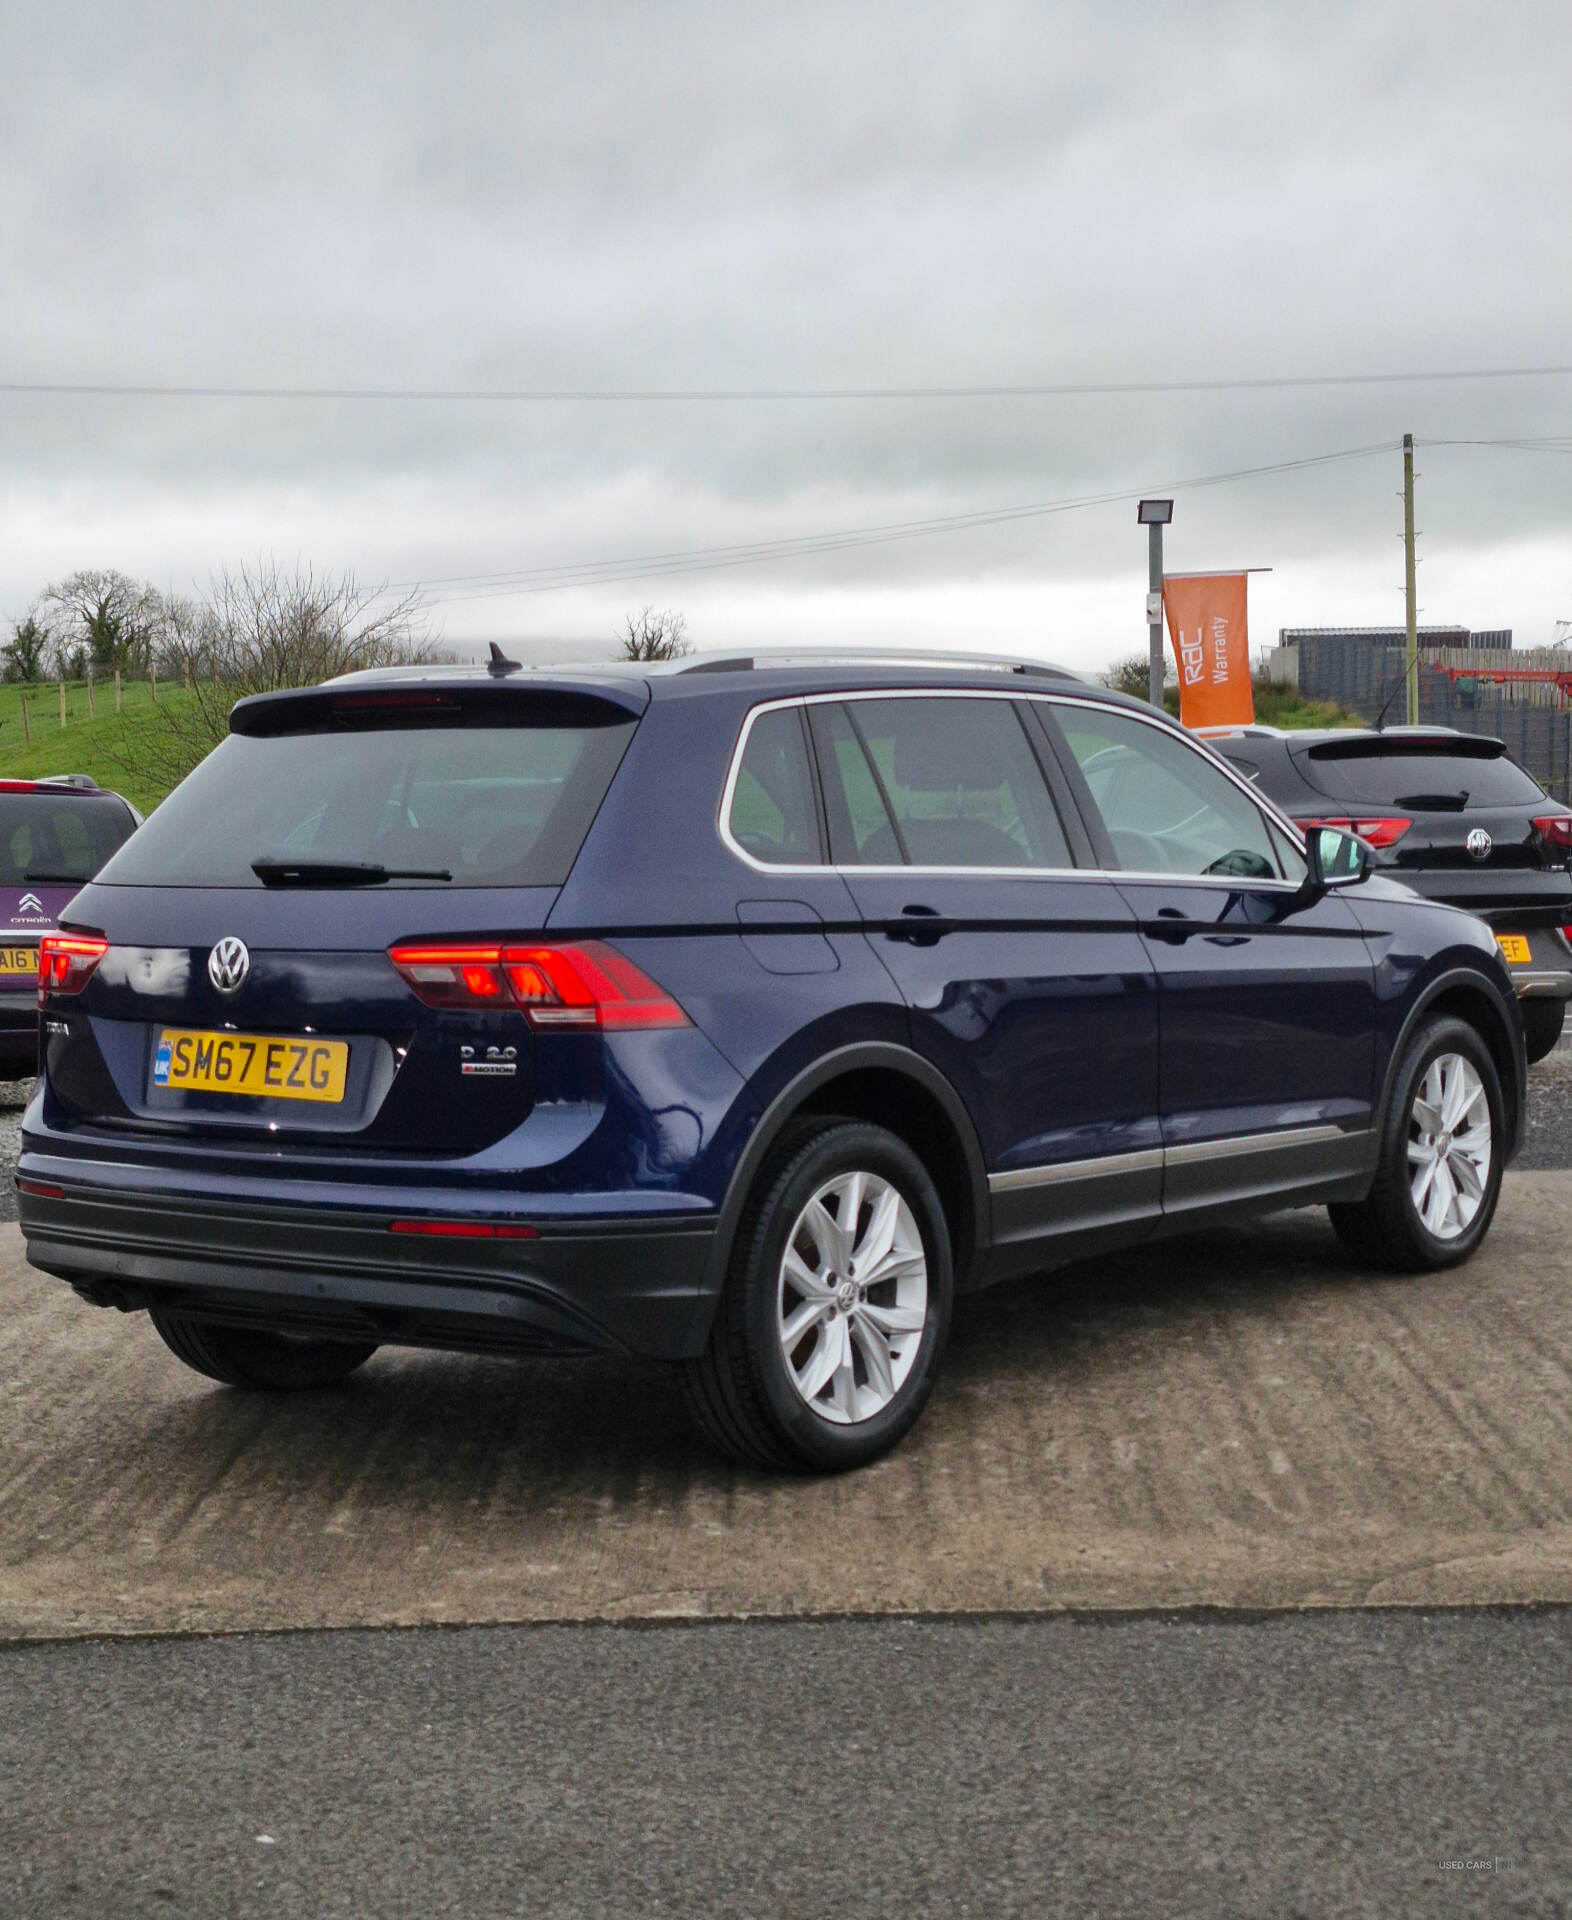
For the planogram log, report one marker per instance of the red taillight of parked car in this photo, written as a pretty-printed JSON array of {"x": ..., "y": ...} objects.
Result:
[
  {"x": 1379, "y": 830},
  {"x": 585, "y": 985},
  {"x": 1555, "y": 829},
  {"x": 66, "y": 962}
]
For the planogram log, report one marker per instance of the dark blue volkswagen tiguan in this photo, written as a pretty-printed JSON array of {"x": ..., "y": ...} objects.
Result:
[{"x": 739, "y": 1015}]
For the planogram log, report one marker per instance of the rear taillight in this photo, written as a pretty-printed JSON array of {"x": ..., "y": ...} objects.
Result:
[
  {"x": 585, "y": 985},
  {"x": 1380, "y": 830},
  {"x": 1555, "y": 829},
  {"x": 66, "y": 962}
]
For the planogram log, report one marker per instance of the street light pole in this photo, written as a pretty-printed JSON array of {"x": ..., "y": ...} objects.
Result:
[{"x": 1154, "y": 515}]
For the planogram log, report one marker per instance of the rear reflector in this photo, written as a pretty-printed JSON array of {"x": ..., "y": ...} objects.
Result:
[
  {"x": 40, "y": 1189},
  {"x": 1556, "y": 830},
  {"x": 463, "y": 1230},
  {"x": 1383, "y": 830},
  {"x": 587, "y": 985},
  {"x": 66, "y": 962}
]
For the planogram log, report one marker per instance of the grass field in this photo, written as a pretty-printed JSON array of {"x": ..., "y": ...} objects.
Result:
[{"x": 112, "y": 747}]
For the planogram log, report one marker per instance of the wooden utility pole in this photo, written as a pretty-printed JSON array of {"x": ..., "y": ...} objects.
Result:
[
  {"x": 1411, "y": 652},
  {"x": 92, "y": 711},
  {"x": 62, "y": 702},
  {"x": 117, "y": 689},
  {"x": 27, "y": 731}
]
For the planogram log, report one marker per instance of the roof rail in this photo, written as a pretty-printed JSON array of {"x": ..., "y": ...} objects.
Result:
[{"x": 875, "y": 657}]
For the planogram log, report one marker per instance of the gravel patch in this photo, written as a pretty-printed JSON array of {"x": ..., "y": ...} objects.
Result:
[{"x": 14, "y": 1096}]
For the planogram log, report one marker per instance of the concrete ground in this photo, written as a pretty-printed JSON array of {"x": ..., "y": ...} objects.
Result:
[
  {"x": 1345, "y": 1765},
  {"x": 1237, "y": 1420}
]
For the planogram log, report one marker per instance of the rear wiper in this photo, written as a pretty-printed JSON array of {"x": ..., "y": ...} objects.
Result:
[
  {"x": 338, "y": 873},
  {"x": 1435, "y": 802},
  {"x": 57, "y": 879}
]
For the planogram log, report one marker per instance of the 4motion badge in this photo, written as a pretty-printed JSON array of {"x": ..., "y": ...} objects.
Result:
[{"x": 493, "y": 1064}]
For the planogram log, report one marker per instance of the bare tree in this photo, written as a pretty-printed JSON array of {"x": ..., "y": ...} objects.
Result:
[
  {"x": 260, "y": 627},
  {"x": 648, "y": 635}
]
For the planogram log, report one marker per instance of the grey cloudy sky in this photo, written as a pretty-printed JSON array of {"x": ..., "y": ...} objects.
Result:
[{"x": 848, "y": 195}]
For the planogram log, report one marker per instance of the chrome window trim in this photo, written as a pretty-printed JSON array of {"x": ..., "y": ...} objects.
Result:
[
  {"x": 1187, "y": 1153},
  {"x": 1012, "y": 696}
]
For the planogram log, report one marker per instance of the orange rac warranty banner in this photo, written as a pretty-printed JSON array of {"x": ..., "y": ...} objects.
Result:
[{"x": 1211, "y": 641}]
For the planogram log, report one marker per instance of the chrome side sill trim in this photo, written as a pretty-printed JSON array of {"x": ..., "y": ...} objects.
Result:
[
  {"x": 1109, "y": 1163},
  {"x": 1284, "y": 1140}
]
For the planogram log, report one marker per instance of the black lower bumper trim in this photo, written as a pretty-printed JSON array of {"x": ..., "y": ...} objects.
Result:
[{"x": 578, "y": 1288}]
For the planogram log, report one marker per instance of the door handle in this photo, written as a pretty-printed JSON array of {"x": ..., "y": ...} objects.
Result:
[
  {"x": 920, "y": 926},
  {"x": 1176, "y": 930}
]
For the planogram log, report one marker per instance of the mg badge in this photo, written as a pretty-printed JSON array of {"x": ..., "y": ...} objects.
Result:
[
  {"x": 228, "y": 964},
  {"x": 1478, "y": 843}
]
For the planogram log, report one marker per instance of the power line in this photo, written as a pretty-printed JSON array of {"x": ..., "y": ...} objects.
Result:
[
  {"x": 537, "y": 580},
  {"x": 1033, "y": 390}
]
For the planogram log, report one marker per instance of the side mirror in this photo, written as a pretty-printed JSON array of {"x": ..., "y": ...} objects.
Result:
[{"x": 1335, "y": 858}]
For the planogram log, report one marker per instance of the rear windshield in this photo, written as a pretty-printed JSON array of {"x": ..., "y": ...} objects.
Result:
[
  {"x": 437, "y": 805},
  {"x": 1415, "y": 777},
  {"x": 48, "y": 837}
]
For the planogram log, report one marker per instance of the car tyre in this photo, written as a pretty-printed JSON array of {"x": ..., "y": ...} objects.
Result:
[
  {"x": 253, "y": 1357},
  {"x": 1444, "y": 1080},
  {"x": 1542, "y": 1022},
  {"x": 812, "y": 1367}
]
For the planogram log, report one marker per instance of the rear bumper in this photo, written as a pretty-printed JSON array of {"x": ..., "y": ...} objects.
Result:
[{"x": 633, "y": 1285}]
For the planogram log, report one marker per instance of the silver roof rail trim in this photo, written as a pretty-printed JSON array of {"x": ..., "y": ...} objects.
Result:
[{"x": 872, "y": 657}]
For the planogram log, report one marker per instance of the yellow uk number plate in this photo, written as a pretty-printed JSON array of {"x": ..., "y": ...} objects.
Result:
[
  {"x": 278, "y": 1069},
  {"x": 1514, "y": 949},
  {"x": 14, "y": 960}
]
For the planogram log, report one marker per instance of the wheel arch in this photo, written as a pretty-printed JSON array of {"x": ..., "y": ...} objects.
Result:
[
  {"x": 1471, "y": 997},
  {"x": 894, "y": 1088}
]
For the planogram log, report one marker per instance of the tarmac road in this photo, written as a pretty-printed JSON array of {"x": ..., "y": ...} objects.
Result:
[{"x": 1295, "y": 1765}]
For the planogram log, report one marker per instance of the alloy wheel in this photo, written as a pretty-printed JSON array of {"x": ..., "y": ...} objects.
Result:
[
  {"x": 852, "y": 1297},
  {"x": 1449, "y": 1146}
]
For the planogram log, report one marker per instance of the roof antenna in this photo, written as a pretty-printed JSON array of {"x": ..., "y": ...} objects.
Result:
[{"x": 500, "y": 665}]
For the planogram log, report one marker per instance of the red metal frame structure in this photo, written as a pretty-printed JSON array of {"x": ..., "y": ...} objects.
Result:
[{"x": 1542, "y": 676}]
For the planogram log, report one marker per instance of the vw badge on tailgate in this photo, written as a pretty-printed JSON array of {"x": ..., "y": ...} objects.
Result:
[
  {"x": 1478, "y": 843},
  {"x": 228, "y": 964}
]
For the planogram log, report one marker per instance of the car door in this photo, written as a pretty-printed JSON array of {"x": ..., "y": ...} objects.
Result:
[
  {"x": 1028, "y": 985},
  {"x": 1266, "y": 991}
]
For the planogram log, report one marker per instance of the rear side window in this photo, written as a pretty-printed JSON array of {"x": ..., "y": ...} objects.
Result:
[
  {"x": 1433, "y": 776},
  {"x": 48, "y": 837},
  {"x": 773, "y": 816},
  {"x": 860, "y": 829},
  {"x": 955, "y": 781},
  {"x": 484, "y": 805}
]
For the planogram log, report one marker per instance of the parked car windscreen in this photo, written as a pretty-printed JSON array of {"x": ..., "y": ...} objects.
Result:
[
  {"x": 1413, "y": 776},
  {"x": 59, "y": 837},
  {"x": 465, "y": 805}
]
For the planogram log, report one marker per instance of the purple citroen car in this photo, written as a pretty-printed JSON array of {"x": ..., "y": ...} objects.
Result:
[{"x": 54, "y": 836}]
